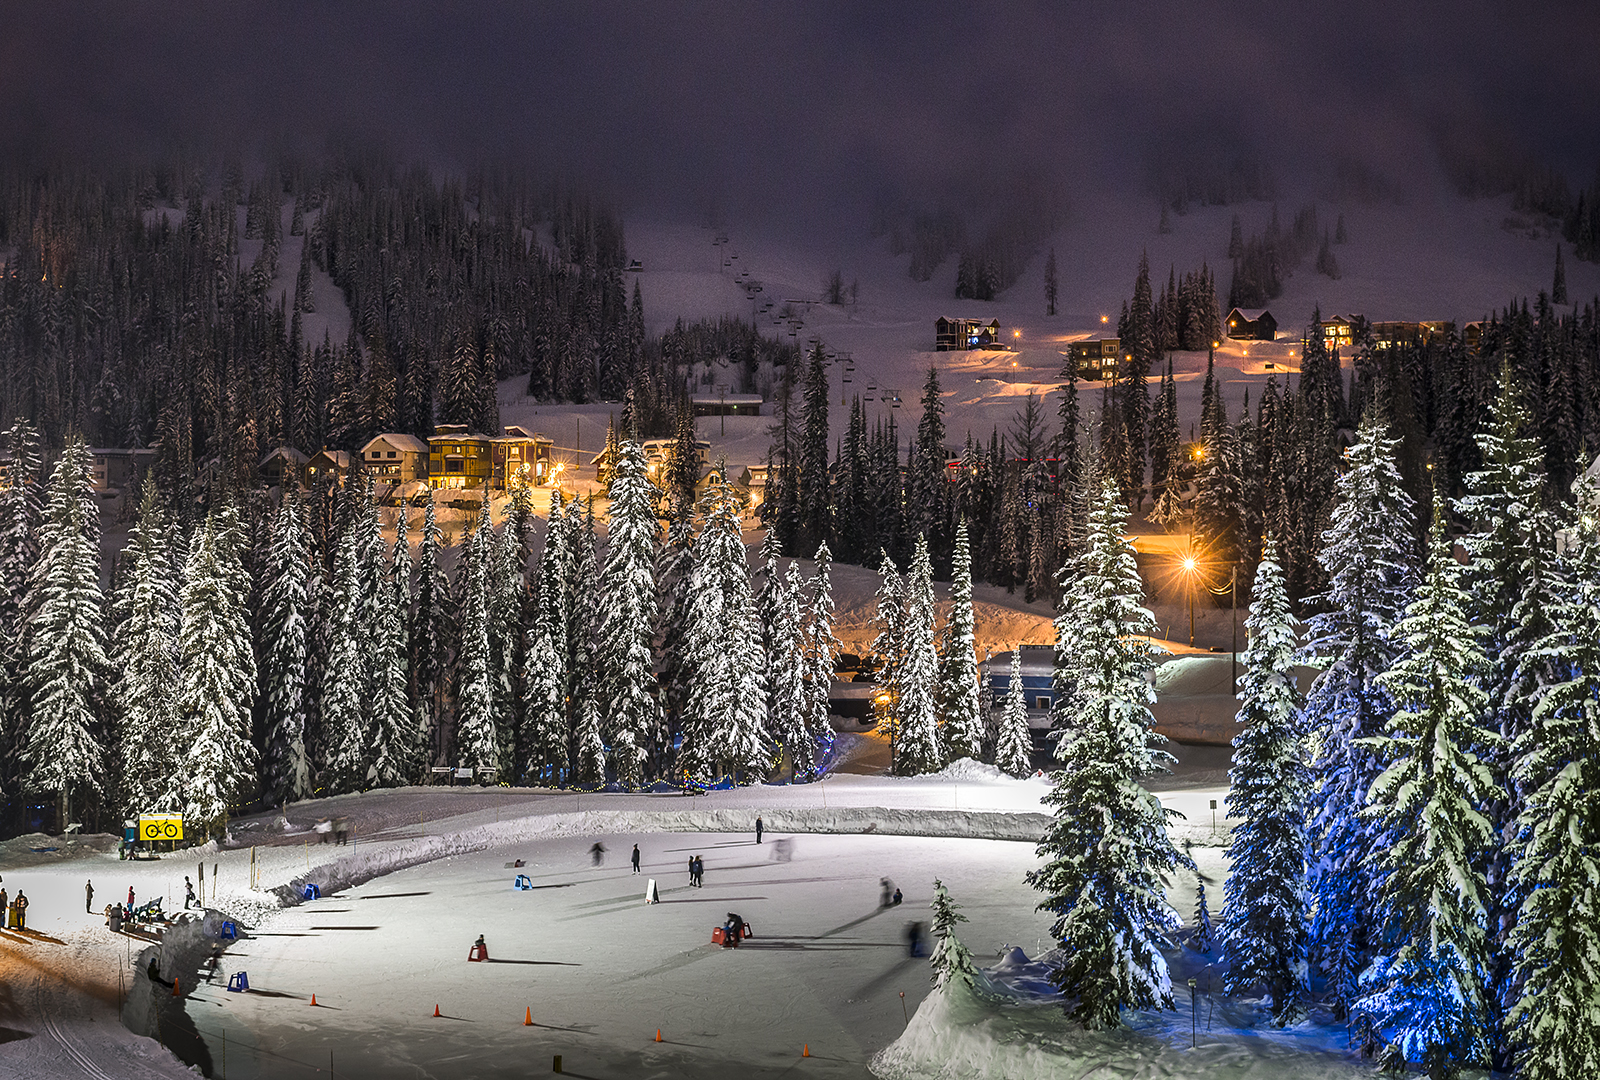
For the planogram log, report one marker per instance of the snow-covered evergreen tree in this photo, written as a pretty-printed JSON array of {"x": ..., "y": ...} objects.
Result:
[
  {"x": 1555, "y": 1020},
  {"x": 544, "y": 718},
  {"x": 1367, "y": 552},
  {"x": 951, "y": 961},
  {"x": 1425, "y": 987},
  {"x": 584, "y": 703},
  {"x": 725, "y": 717},
  {"x": 1205, "y": 935},
  {"x": 217, "y": 676},
  {"x": 21, "y": 501},
  {"x": 347, "y": 685},
  {"x": 506, "y": 585},
  {"x": 786, "y": 664},
  {"x": 395, "y": 737},
  {"x": 888, "y": 648},
  {"x": 1107, "y": 851},
  {"x": 67, "y": 663},
  {"x": 628, "y": 618},
  {"x": 821, "y": 650},
  {"x": 673, "y": 602},
  {"x": 431, "y": 629},
  {"x": 477, "y": 735},
  {"x": 1265, "y": 911},
  {"x": 145, "y": 651},
  {"x": 1013, "y": 742},
  {"x": 960, "y": 695},
  {"x": 917, "y": 680},
  {"x": 285, "y": 632},
  {"x": 1513, "y": 586},
  {"x": 589, "y": 768}
]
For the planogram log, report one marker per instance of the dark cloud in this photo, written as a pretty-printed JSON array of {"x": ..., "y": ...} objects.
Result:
[{"x": 777, "y": 104}]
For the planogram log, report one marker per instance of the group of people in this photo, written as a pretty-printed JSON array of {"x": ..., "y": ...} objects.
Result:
[
  {"x": 697, "y": 871},
  {"x": 15, "y": 913}
]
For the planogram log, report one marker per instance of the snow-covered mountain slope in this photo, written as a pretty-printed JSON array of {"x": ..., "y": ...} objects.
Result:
[{"x": 1435, "y": 256}]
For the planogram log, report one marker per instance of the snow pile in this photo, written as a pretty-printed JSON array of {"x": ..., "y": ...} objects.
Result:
[
  {"x": 967, "y": 770},
  {"x": 1015, "y": 1029}
]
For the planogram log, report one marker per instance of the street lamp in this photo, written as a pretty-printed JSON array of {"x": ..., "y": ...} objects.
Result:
[{"x": 1189, "y": 569}]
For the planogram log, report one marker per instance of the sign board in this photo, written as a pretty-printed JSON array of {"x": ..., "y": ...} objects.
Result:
[
  {"x": 464, "y": 773},
  {"x": 442, "y": 770},
  {"x": 161, "y": 827}
]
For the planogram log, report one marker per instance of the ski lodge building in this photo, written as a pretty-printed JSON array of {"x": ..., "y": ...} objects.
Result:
[{"x": 952, "y": 335}]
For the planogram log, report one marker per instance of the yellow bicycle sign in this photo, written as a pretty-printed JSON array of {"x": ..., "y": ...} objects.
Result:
[{"x": 161, "y": 827}]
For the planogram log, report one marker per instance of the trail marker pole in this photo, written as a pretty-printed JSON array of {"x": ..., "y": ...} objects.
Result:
[
  {"x": 1194, "y": 1016},
  {"x": 903, "y": 1008}
]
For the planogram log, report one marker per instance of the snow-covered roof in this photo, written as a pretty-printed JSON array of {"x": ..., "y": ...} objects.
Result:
[
  {"x": 340, "y": 459},
  {"x": 1252, "y": 314},
  {"x": 726, "y": 399},
  {"x": 397, "y": 441},
  {"x": 288, "y": 453}
]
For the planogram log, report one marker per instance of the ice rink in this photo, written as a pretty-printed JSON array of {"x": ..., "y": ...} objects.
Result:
[{"x": 602, "y": 971}]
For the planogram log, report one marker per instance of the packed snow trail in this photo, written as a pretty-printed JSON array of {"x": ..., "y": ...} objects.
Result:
[{"x": 59, "y": 1013}]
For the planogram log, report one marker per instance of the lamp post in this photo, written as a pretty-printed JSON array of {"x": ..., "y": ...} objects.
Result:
[
  {"x": 1188, "y": 568},
  {"x": 1233, "y": 654}
]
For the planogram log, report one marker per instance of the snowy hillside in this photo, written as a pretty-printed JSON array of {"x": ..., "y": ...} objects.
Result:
[{"x": 1435, "y": 257}]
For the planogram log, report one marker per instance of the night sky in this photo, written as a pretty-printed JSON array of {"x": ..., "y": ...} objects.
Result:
[{"x": 772, "y": 104}]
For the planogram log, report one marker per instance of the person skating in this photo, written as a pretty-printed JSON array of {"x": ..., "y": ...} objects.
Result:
[
  {"x": 636, "y": 858},
  {"x": 885, "y": 892},
  {"x": 88, "y": 897},
  {"x": 691, "y": 871},
  {"x": 597, "y": 854},
  {"x": 914, "y": 938},
  {"x": 758, "y": 828},
  {"x": 21, "y": 904},
  {"x": 699, "y": 872},
  {"x": 188, "y": 893},
  {"x": 896, "y": 900}
]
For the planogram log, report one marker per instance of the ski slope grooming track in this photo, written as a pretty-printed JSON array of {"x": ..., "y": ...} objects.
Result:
[{"x": 80, "y": 1058}]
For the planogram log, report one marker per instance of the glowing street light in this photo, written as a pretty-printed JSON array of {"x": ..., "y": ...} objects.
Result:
[{"x": 1190, "y": 568}]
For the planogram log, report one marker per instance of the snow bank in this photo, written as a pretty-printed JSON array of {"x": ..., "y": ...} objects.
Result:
[
  {"x": 967, "y": 770},
  {"x": 1015, "y": 1029}
]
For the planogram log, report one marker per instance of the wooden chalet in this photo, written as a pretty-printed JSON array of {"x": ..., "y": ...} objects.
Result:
[
  {"x": 1252, "y": 324},
  {"x": 950, "y": 335},
  {"x": 396, "y": 458},
  {"x": 330, "y": 465},
  {"x": 282, "y": 465}
]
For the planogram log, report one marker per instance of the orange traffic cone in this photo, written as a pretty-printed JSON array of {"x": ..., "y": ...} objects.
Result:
[
  {"x": 658, "y": 1034},
  {"x": 313, "y": 1000},
  {"x": 436, "y": 1010},
  {"x": 807, "y": 1051},
  {"x": 527, "y": 1018},
  {"x": 174, "y": 986}
]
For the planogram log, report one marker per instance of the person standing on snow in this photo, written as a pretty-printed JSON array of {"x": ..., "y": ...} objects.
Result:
[
  {"x": 758, "y": 828},
  {"x": 188, "y": 893},
  {"x": 130, "y": 899},
  {"x": 597, "y": 854},
  {"x": 88, "y": 897},
  {"x": 636, "y": 858},
  {"x": 22, "y": 910}
]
